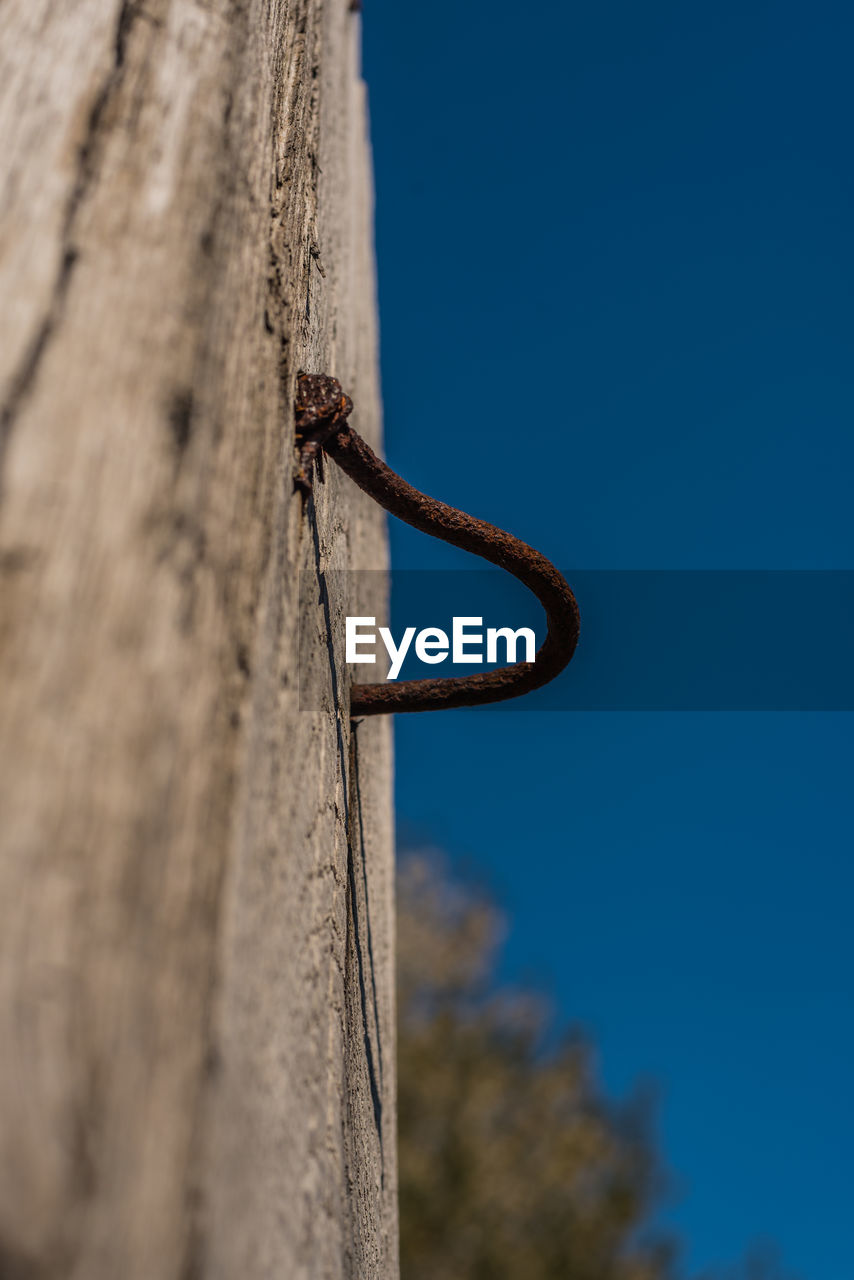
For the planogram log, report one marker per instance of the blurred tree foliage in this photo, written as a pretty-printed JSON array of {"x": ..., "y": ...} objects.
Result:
[
  {"x": 762, "y": 1262},
  {"x": 513, "y": 1166}
]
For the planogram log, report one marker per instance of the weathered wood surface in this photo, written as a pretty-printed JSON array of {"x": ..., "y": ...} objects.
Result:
[{"x": 196, "y": 1008}]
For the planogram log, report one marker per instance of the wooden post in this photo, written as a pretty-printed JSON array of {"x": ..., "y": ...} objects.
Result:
[{"x": 196, "y": 933}]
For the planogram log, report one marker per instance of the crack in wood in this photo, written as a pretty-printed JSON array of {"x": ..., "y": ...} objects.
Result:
[{"x": 25, "y": 377}]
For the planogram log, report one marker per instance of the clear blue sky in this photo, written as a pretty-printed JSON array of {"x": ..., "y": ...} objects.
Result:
[{"x": 615, "y": 244}]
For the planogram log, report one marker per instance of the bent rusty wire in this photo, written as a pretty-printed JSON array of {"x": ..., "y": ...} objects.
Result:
[{"x": 321, "y": 412}]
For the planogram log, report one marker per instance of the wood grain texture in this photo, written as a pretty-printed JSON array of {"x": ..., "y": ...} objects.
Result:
[{"x": 196, "y": 901}]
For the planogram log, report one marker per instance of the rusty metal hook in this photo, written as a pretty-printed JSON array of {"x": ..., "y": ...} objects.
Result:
[{"x": 321, "y": 413}]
